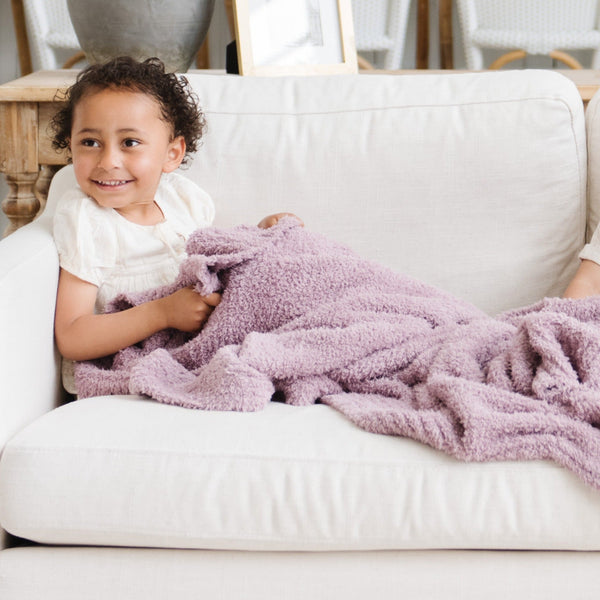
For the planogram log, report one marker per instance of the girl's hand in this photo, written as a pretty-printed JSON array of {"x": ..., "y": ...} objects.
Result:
[
  {"x": 187, "y": 310},
  {"x": 83, "y": 335},
  {"x": 273, "y": 219}
]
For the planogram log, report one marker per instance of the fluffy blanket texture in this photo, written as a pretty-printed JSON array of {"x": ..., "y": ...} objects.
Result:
[{"x": 306, "y": 319}]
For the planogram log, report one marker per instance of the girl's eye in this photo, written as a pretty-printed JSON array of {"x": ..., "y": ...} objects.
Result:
[
  {"x": 89, "y": 143},
  {"x": 129, "y": 143}
]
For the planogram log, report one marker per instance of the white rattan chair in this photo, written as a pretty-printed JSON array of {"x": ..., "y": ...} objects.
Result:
[
  {"x": 45, "y": 36},
  {"x": 380, "y": 28},
  {"x": 538, "y": 27}
]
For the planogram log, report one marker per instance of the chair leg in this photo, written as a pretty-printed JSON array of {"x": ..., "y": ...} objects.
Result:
[
  {"x": 474, "y": 57},
  {"x": 565, "y": 58},
  {"x": 21, "y": 35},
  {"x": 508, "y": 57},
  {"x": 77, "y": 57},
  {"x": 363, "y": 63},
  {"x": 559, "y": 55},
  {"x": 397, "y": 26}
]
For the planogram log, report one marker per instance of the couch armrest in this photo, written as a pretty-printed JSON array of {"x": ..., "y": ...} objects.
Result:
[
  {"x": 30, "y": 380},
  {"x": 29, "y": 363}
]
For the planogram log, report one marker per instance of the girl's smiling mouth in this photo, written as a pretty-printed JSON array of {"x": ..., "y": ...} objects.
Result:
[{"x": 113, "y": 183}]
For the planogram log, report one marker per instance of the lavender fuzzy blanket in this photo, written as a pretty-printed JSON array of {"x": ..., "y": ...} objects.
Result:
[{"x": 306, "y": 318}]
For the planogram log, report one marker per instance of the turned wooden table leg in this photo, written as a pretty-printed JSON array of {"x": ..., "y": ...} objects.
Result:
[
  {"x": 42, "y": 185},
  {"x": 27, "y": 196},
  {"x": 19, "y": 161},
  {"x": 21, "y": 205}
]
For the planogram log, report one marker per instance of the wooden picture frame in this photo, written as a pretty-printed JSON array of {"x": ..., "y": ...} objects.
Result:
[{"x": 294, "y": 37}]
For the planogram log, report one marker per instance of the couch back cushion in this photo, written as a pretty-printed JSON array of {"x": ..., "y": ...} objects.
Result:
[{"x": 472, "y": 182}]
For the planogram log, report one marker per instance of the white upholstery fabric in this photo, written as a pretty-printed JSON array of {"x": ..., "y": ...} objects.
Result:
[
  {"x": 142, "y": 574},
  {"x": 123, "y": 471},
  {"x": 536, "y": 26}
]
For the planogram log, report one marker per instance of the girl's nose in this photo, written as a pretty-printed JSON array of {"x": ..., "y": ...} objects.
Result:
[{"x": 109, "y": 157}]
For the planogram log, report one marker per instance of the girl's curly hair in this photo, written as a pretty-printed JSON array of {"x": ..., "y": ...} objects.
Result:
[{"x": 178, "y": 104}]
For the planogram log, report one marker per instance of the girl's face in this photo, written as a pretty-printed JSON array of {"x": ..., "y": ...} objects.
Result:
[{"x": 120, "y": 146}]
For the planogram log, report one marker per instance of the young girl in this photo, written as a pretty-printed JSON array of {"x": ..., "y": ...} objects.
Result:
[{"x": 128, "y": 127}]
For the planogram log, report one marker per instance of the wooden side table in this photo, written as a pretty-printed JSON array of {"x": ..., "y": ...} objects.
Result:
[{"x": 26, "y": 155}]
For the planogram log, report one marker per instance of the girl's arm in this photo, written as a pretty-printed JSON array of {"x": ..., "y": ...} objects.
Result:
[
  {"x": 83, "y": 335},
  {"x": 586, "y": 281}
]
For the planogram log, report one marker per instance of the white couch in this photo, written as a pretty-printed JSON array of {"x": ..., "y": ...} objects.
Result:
[{"x": 478, "y": 183}]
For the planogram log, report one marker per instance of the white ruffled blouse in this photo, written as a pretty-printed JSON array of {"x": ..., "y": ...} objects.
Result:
[{"x": 100, "y": 246}]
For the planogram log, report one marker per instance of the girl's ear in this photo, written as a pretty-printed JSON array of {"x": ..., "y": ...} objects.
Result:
[{"x": 175, "y": 154}]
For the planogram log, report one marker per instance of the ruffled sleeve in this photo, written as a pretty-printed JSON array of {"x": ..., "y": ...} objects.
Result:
[
  {"x": 85, "y": 241},
  {"x": 194, "y": 200},
  {"x": 591, "y": 251}
]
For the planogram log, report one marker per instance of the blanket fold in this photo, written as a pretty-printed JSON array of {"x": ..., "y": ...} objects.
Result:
[{"x": 305, "y": 317}]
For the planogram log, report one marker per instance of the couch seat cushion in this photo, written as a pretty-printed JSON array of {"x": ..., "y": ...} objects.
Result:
[{"x": 127, "y": 471}]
